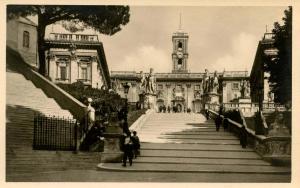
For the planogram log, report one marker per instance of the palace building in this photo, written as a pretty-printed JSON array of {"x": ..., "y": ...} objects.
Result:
[
  {"x": 76, "y": 57},
  {"x": 180, "y": 87}
]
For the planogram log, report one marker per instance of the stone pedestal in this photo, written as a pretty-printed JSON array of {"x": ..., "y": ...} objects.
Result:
[
  {"x": 150, "y": 101},
  {"x": 245, "y": 102},
  {"x": 112, "y": 152},
  {"x": 211, "y": 100}
]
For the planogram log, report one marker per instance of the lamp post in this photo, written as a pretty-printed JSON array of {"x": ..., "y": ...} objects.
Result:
[{"x": 126, "y": 89}]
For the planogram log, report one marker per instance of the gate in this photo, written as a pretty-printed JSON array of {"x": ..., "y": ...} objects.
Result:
[{"x": 54, "y": 133}]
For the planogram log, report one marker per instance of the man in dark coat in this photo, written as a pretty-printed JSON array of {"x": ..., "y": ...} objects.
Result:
[
  {"x": 127, "y": 148},
  {"x": 225, "y": 124},
  {"x": 243, "y": 137},
  {"x": 206, "y": 114},
  {"x": 136, "y": 144},
  {"x": 218, "y": 122}
]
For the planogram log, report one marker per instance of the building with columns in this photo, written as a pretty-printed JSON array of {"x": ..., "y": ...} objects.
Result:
[
  {"x": 76, "y": 57},
  {"x": 259, "y": 77},
  {"x": 180, "y": 87}
]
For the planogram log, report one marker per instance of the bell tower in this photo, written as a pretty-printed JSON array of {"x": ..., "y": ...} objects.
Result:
[{"x": 180, "y": 50}]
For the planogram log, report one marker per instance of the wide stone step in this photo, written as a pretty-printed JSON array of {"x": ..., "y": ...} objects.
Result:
[
  {"x": 148, "y": 167},
  {"x": 201, "y": 137},
  {"x": 179, "y": 160},
  {"x": 189, "y": 141},
  {"x": 201, "y": 154},
  {"x": 169, "y": 146}
]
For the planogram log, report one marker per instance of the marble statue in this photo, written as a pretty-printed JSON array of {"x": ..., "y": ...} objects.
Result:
[
  {"x": 245, "y": 89},
  {"x": 143, "y": 82},
  {"x": 206, "y": 81},
  {"x": 214, "y": 83},
  {"x": 150, "y": 82}
]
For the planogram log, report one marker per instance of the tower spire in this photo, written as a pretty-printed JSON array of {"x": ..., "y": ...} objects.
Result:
[{"x": 180, "y": 21}]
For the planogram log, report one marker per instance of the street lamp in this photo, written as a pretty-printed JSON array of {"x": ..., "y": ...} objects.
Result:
[{"x": 126, "y": 89}]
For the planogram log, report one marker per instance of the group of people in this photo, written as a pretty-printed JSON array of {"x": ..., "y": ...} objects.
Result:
[
  {"x": 174, "y": 109},
  {"x": 130, "y": 145},
  {"x": 225, "y": 122}
]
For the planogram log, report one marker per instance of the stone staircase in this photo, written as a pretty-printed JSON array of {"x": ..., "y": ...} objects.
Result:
[
  {"x": 188, "y": 143},
  {"x": 23, "y": 100}
]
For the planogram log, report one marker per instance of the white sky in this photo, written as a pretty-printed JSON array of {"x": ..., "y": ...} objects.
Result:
[{"x": 220, "y": 37}]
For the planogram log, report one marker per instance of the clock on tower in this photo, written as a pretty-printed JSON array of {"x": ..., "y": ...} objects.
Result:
[{"x": 180, "y": 53}]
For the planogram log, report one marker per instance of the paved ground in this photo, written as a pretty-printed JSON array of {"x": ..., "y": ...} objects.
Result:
[{"x": 108, "y": 176}]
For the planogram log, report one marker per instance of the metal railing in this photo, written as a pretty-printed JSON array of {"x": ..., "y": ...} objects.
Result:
[{"x": 54, "y": 133}]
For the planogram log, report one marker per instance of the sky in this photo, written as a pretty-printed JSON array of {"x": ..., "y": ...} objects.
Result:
[{"x": 220, "y": 38}]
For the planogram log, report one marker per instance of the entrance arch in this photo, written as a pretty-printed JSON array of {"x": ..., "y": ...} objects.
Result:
[{"x": 179, "y": 107}]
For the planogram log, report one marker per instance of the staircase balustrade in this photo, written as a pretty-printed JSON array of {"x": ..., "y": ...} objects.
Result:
[{"x": 275, "y": 149}]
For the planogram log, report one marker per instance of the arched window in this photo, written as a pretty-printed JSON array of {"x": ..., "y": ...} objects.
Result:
[{"x": 26, "y": 39}]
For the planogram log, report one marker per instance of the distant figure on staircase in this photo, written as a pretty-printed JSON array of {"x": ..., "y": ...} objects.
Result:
[
  {"x": 206, "y": 114},
  {"x": 225, "y": 124},
  {"x": 218, "y": 122},
  {"x": 136, "y": 145},
  {"x": 127, "y": 148},
  {"x": 169, "y": 109},
  {"x": 243, "y": 137}
]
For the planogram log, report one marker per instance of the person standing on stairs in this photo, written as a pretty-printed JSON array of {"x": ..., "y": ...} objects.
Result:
[
  {"x": 127, "y": 148},
  {"x": 136, "y": 144},
  {"x": 206, "y": 114},
  {"x": 218, "y": 122},
  {"x": 243, "y": 137}
]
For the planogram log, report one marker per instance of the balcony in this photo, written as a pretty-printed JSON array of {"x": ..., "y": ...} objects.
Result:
[{"x": 73, "y": 37}]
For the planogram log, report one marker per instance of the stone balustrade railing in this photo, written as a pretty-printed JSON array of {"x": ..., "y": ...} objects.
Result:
[{"x": 275, "y": 149}]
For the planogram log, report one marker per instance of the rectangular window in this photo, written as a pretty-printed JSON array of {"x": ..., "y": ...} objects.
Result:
[
  {"x": 26, "y": 39},
  {"x": 159, "y": 86},
  {"x": 77, "y": 37},
  {"x": 63, "y": 73},
  {"x": 235, "y": 85},
  {"x": 197, "y": 87},
  {"x": 84, "y": 74}
]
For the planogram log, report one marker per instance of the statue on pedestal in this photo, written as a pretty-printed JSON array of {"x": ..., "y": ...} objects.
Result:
[
  {"x": 214, "y": 86},
  {"x": 150, "y": 82},
  {"x": 206, "y": 81},
  {"x": 143, "y": 82},
  {"x": 245, "y": 89}
]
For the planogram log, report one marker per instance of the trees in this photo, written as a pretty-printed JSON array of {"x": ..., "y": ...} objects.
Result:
[
  {"x": 280, "y": 68},
  {"x": 104, "y": 19}
]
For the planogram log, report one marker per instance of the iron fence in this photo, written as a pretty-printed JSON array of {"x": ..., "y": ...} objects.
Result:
[{"x": 54, "y": 133}]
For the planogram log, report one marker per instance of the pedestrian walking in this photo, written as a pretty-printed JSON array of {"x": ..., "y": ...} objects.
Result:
[
  {"x": 218, "y": 122},
  {"x": 136, "y": 145},
  {"x": 243, "y": 137},
  {"x": 225, "y": 124},
  {"x": 206, "y": 114},
  {"x": 127, "y": 148}
]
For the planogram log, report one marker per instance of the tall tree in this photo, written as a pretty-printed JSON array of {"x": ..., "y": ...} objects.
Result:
[
  {"x": 104, "y": 19},
  {"x": 280, "y": 68}
]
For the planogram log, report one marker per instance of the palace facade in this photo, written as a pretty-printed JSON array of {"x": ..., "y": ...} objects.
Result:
[
  {"x": 76, "y": 57},
  {"x": 180, "y": 87}
]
